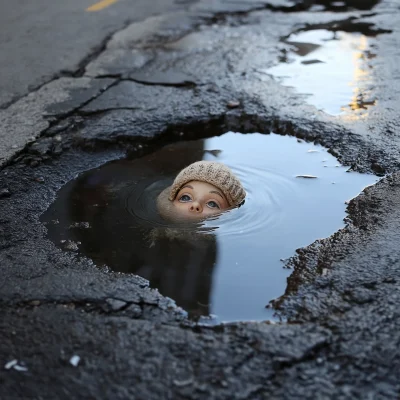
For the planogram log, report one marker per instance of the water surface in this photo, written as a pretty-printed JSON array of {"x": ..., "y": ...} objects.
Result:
[
  {"x": 229, "y": 267},
  {"x": 331, "y": 69}
]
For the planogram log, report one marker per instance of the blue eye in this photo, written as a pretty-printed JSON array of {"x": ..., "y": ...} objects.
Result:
[
  {"x": 212, "y": 204},
  {"x": 185, "y": 198}
]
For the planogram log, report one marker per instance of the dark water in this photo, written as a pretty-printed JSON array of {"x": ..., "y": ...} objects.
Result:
[
  {"x": 346, "y": 5},
  {"x": 231, "y": 266},
  {"x": 333, "y": 70}
]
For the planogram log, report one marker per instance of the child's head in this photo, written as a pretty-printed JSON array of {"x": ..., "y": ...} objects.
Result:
[{"x": 202, "y": 189}]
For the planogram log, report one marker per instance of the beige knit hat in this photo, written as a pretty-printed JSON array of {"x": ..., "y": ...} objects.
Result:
[{"x": 216, "y": 174}]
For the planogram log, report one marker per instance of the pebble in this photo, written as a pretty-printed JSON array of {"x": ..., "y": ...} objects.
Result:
[
  {"x": 116, "y": 304},
  {"x": 233, "y": 104},
  {"x": 5, "y": 193},
  {"x": 71, "y": 245},
  {"x": 74, "y": 360}
]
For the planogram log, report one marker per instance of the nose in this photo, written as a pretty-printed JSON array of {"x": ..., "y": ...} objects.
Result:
[{"x": 195, "y": 207}]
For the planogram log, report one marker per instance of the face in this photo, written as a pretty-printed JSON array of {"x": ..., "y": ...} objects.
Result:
[{"x": 200, "y": 200}]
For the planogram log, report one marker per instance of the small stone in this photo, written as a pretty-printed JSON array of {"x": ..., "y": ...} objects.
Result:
[
  {"x": 134, "y": 310},
  {"x": 57, "y": 138},
  {"x": 71, "y": 245},
  {"x": 115, "y": 304},
  {"x": 35, "y": 303},
  {"x": 377, "y": 168},
  {"x": 5, "y": 193},
  {"x": 233, "y": 104},
  {"x": 39, "y": 179},
  {"x": 14, "y": 146},
  {"x": 74, "y": 360}
]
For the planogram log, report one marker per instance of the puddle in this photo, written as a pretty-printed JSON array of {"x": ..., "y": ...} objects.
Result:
[
  {"x": 229, "y": 267},
  {"x": 331, "y": 69}
]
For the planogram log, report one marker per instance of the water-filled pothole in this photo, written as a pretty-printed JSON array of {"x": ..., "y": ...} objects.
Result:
[
  {"x": 333, "y": 70},
  {"x": 232, "y": 266}
]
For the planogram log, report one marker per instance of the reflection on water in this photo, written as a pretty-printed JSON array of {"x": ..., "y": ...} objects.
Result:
[
  {"x": 230, "y": 266},
  {"x": 332, "y": 69}
]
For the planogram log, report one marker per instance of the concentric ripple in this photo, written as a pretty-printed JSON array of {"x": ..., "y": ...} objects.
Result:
[{"x": 230, "y": 266}]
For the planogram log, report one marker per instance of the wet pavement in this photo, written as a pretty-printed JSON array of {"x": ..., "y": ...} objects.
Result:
[{"x": 72, "y": 326}]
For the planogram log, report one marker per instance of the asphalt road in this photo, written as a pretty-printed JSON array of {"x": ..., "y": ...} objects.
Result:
[
  {"x": 39, "y": 40},
  {"x": 70, "y": 329}
]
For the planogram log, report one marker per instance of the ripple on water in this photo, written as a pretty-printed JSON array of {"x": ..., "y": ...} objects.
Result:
[{"x": 233, "y": 267}]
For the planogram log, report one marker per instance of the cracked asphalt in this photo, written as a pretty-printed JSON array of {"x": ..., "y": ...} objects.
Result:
[{"x": 163, "y": 76}]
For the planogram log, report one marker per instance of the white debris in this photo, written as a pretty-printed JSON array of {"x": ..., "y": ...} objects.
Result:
[
  {"x": 183, "y": 382},
  {"x": 14, "y": 364},
  {"x": 10, "y": 364},
  {"x": 20, "y": 368},
  {"x": 74, "y": 360}
]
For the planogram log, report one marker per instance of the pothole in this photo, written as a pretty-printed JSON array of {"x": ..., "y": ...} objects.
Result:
[
  {"x": 333, "y": 69},
  {"x": 228, "y": 267}
]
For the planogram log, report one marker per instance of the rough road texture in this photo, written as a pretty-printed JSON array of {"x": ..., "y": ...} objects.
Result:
[{"x": 164, "y": 79}]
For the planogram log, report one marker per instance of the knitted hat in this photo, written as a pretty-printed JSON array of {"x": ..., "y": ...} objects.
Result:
[{"x": 217, "y": 174}]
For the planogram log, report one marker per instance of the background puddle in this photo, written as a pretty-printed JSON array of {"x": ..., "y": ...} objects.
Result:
[
  {"x": 332, "y": 69},
  {"x": 235, "y": 269}
]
